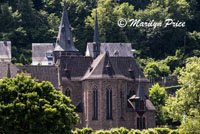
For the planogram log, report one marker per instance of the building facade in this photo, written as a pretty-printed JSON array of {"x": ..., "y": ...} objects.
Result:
[{"x": 106, "y": 85}]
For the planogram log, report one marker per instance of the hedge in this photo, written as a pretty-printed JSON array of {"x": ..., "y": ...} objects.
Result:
[{"x": 126, "y": 131}]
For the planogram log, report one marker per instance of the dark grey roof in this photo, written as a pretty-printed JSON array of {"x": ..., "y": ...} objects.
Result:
[
  {"x": 39, "y": 51},
  {"x": 64, "y": 40},
  {"x": 119, "y": 68},
  {"x": 4, "y": 69},
  {"x": 149, "y": 105},
  {"x": 75, "y": 65},
  {"x": 5, "y": 50},
  {"x": 114, "y": 49},
  {"x": 42, "y": 73}
]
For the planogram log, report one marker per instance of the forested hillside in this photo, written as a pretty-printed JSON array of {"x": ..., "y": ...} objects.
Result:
[{"x": 32, "y": 21}]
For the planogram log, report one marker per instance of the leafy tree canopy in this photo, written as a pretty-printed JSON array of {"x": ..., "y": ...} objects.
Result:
[
  {"x": 30, "y": 107},
  {"x": 158, "y": 96},
  {"x": 187, "y": 98},
  {"x": 27, "y": 21}
]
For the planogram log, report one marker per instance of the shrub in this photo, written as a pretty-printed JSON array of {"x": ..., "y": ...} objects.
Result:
[
  {"x": 123, "y": 130},
  {"x": 152, "y": 131},
  {"x": 163, "y": 130},
  {"x": 135, "y": 131},
  {"x": 87, "y": 131},
  {"x": 174, "y": 132}
]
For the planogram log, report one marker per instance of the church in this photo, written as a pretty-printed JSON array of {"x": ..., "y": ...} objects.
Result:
[{"x": 107, "y": 86}]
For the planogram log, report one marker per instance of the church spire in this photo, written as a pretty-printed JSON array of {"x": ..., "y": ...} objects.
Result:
[
  {"x": 64, "y": 39},
  {"x": 96, "y": 31},
  {"x": 140, "y": 92},
  {"x": 96, "y": 42}
]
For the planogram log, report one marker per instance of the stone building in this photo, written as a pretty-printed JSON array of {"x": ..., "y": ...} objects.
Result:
[{"x": 107, "y": 86}]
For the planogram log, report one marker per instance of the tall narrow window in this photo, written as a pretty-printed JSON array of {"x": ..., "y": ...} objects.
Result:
[
  {"x": 109, "y": 104},
  {"x": 121, "y": 103},
  {"x": 95, "y": 104},
  {"x": 140, "y": 123},
  {"x": 67, "y": 92}
]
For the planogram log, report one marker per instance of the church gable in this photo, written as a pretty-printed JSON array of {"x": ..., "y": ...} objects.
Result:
[{"x": 105, "y": 66}]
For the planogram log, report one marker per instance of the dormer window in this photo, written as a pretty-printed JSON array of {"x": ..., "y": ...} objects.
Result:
[
  {"x": 49, "y": 56},
  {"x": 5, "y": 43}
]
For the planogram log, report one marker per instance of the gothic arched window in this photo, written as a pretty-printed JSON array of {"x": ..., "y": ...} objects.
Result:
[
  {"x": 95, "y": 103},
  {"x": 109, "y": 103},
  {"x": 121, "y": 104},
  {"x": 68, "y": 92},
  {"x": 140, "y": 123}
]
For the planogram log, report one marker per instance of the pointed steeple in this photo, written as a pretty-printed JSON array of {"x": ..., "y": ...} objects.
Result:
[
  {"x": 96, "y": 42},
  {"x": 140, "y": 92},
  {"x": 96, "y": 30},
  {"x": 64, "y": 40}
]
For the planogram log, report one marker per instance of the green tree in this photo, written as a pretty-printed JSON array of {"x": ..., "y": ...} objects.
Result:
[
  {"x": 23, "y": 60},
  {"x": 152, "y": 70},
  {"x": 29, "y": 107},
  {"x": 174, "y": 61},
  {"x": 109, "y": 12},
  {"x": 138, "y": 4},
  {"x": 158, "y": 96},
  {"x": 150, "y": 40},
  {"x": 156, "y": 70},
  {"x": 187, "y": 98},
  {"x": 190, "y": 124}
]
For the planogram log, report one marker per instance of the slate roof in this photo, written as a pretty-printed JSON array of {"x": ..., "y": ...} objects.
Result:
[
  {"x": 120, "y": 67},
  {"x": 114, "y": 49},
  {"x": 42, "y": 73},
  {"x": 39, "y": 51},
  {"x": 4, "y": 69},
  {"x": 5, "y": 50},
  {"x": 149, "y": 105},
  {"x": 64, "y": 39},
  {"x": 76, "y": 66}
]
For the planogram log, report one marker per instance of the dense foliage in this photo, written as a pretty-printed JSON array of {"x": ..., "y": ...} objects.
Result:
[
  {"x": 158, "y": 97},
  {"x": 126, "y": 131},
  {"x": 28, "y": 107},
  {"x": 187, "y": 97},
  {"x": 191, "y": 124},
  {"x": 155, "y": 69},
  {"x": 32, "y": 21}
]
